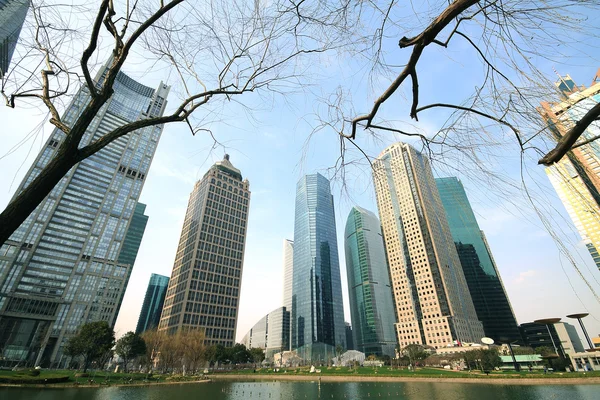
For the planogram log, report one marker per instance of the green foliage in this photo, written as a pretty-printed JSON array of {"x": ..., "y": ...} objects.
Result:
[
  {"x": 523, "y": 350},
  {"x": 414, "y": 352},
  {"x": 489, "y": 359},
  {"x": 545, "y": 351},
  {"x": 92, "y": 341},
  {"x": 130, "y": 346},
  {"x": 258, "y": 354}
]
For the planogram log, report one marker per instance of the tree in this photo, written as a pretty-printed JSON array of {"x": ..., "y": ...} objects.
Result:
[
  {"x": 414, "y": 352},
  {"x": 489, "y": 359},
  {"x": 129, "y": 347},
  {"x": 218, "y": 51},
  {"x": 92, "y": 341},
  {"x": 171, "y": 352},
  {"x": 192, "y": 343},
  {"x": 257, "y": 354},
  {"x": 239, "y": 354},
  {"x": 501, "y": 38},
  {"x": 153, "y": 339},
  {"x": 522, "y": 350}
]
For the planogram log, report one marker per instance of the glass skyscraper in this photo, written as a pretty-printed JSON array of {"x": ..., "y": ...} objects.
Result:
[
  {"x": 135, "y": 233},
  {"x": 433, "y": 304},
  {"x": 12, "y": 16},
  {"x": 204, "y": 289},
  {"x": 153, "y": 303},
  {"x": 288, "y": 272},
  {"x": 371, "y": 303},
  {"x": 576, "y": 177},
  {"x": 62, "y": 267},
  {"x": 485, "y": 285},
  {"x": 317, "y": 308}
]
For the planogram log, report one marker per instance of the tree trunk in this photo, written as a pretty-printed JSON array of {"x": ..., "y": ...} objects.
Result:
[{"x": 25, "y": 202}]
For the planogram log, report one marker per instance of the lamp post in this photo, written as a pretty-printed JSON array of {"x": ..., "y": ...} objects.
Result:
[
  {"x": 548, "y": 322},
  {"x": 578, "y": 317}
]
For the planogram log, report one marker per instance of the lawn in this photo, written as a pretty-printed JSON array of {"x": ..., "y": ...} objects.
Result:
[
  {"x": 71, "y": 377},
  {"x": 419, "y": 372}
]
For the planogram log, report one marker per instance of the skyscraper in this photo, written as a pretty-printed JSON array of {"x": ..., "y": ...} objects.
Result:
[
  {"x": 12, "y": 16},
  {"x": 371, "y": 303},
  {"x": 432, "y": 300},
  {"x": 317, "y": 308},
  {"x": 576, "y": 178},
  {"x": 62, "y": 267},
  {"x": 485, "y": 285},
  {"x": 204, "y": 289},
  {"x": 288, "y": 272},
  {"x": 134, "y": 235},
  {"x": 153, "y": 303}
]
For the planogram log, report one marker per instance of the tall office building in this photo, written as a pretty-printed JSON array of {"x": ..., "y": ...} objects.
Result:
[
  {"x": 432, "y": 300},
  {"x": 271, "y": 333},
  {"x": 576, "y": 178},
  {"x": 483, "y": 279},
  {"x": 12, "y": 16},
  {"x": 63, "y": 266},
  {"x": 135, "y": 233},
  {"x": 288, "y": 272},
  {"x": 153, "y": 303},
  {"x": 317, "y": 307},
  {"x": 204, "y": 289},
  {"x": 371, "y": 303}
]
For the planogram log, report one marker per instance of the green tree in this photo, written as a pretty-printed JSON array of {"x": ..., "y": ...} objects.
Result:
[
  {"x": 129, "y": 347},
  {"x": 489, "y": 359},
  {"x": 258, "y": 354},
  {"x": 92, "y": 341},
  {"x": 522, "y": 350},
  {"x": 239, "y": 354},
  {"x": 471, "y": 357},
  {"x": 545, "y": 351},
  {"x": 414, "y": 352}
]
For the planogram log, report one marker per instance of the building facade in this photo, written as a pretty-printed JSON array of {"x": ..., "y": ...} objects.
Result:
[
  {"x": 569, "y": 338},
  {"x": 135, "y": 233},
  {"x": 204, "y": 289},
  {"x": 153, "y": 303},
  {"x": 12, "y": 16},
  {"x": 576, "y": 178},
  {"x": 433, "y": 304},
  {"x": 62, "y": 267},
  {"x": 271, "y": 333},
  {"x": 483, "y": 279},
  {"x": 317, "y": 306},
  {"x": 288, "y": 272},
  {"x": 371, "y": 303},
  {"x": 539, "y": 335}
]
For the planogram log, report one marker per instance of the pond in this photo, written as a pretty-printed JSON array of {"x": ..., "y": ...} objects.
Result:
[{"x": 230, "y": 390}]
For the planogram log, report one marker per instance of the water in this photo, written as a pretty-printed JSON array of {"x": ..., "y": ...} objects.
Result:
[{"x": 310, "y": 390}]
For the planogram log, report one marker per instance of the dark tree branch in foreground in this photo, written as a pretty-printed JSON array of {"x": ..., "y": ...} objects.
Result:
[{"x": 248, "y": 46}]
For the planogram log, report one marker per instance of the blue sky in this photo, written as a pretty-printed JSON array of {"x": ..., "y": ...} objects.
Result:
[{"x": 269, "y": 145}]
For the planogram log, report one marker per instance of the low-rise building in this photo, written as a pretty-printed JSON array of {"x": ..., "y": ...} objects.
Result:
[{"x": 586, "y": 361}]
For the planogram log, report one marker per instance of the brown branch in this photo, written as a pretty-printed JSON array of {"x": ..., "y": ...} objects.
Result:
[
  {"x": 87, "y": 53},
  {"x": 419, "y": 42},
  {"x": 480, "y": 113},
  {"x": 568, "y": 140}
]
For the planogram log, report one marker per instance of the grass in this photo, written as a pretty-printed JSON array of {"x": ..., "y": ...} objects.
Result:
[
  {"x": 419, "y": 372},
  {"x": 71, "y": 377},
  {"x": 102, "y": 378}
]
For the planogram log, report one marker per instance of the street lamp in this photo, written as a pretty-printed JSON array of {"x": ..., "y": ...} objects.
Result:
[
  {"x": 578, "y": 317},
  {"x": 548, "y": 322}
]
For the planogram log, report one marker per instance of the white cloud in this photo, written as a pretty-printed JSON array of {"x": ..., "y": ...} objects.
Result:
[{"x": 525, "y": 276}]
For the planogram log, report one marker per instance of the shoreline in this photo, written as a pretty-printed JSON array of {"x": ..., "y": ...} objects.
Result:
[
  {"x": 391, "y": 379},
  {"x": 95, "y": 386}
]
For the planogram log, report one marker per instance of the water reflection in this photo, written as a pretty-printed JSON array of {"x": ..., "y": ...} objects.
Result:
[{"x": 314, "y": 390}]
